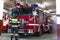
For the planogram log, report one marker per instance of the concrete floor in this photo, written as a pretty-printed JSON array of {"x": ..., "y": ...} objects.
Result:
[{"x": 6, "y": 36}]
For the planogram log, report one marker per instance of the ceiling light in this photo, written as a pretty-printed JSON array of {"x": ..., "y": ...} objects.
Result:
[
  {"x": 46, "y": 11},
  {"x": 41, "y": 5},
  {"x": 47, "y": 3},
  {"x": 50, "y": 10}
]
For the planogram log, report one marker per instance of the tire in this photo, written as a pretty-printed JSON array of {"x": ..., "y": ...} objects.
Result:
[
  {"x": 6, "y": 31},
  {"x": 39, "y": 33},
  {"x": 50, "y": 29}
]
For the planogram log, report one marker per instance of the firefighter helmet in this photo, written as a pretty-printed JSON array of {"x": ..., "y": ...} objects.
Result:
[{"x": 17, "y": 3}]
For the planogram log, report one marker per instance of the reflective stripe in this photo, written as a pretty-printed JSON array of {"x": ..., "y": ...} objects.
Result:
[
  {"x": 14, "y": 20},
  {"x": 14, "y": 26},
  {"x": 5, "y": 22},
  {"x": 33, "y": 24},
  {"x": 11, "y": 34},
  {"x": 16, "y": 35}
]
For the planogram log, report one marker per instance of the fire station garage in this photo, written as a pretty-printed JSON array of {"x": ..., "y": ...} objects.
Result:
[{"x": 29, "y": 20}]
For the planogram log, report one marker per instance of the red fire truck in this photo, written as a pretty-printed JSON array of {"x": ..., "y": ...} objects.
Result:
[
  {"x": 6, "y": 19},
  {"x": 32, "y": 21}
]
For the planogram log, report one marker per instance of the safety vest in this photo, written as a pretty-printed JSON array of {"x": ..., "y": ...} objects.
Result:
[{"x": 15, "y": 23}]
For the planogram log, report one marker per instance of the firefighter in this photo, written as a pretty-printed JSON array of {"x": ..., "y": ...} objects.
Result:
[
  {"x": 15, "y": 13},
  {"x": 15, "y": 24},
  {"x": 17, "y": 8}
]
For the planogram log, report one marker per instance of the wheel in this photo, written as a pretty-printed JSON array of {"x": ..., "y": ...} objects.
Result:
[
  {"x": 39, "y": 33},
  {"x": 50, "y": 29},
  {"x": 6, "y": 31}
]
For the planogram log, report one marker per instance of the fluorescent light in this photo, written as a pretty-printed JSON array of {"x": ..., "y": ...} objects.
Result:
[
  {"x": 50, "y": 10},
  {"x": 46, "y": 11},
  {"x": 41, "y": 5},
  {"x": 47, "y": 3}
]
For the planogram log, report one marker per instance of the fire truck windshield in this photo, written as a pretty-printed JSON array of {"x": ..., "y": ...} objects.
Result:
[{"x": 24, "y": 11}]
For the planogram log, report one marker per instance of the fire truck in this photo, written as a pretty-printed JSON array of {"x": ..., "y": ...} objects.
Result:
[
  {"x": 32, "y": 21},
  {"x": 5, "y": 21},
  {"x": 6, "y": 18}
]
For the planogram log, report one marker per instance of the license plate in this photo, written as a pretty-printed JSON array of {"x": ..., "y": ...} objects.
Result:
[{"x": 14, "y": 26}]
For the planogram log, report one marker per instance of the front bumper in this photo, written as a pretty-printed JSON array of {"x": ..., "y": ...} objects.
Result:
[{"x": 25, "y": 31}]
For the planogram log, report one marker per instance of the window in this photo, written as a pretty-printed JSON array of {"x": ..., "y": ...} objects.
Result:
[{"x": 22, "y": 11}]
